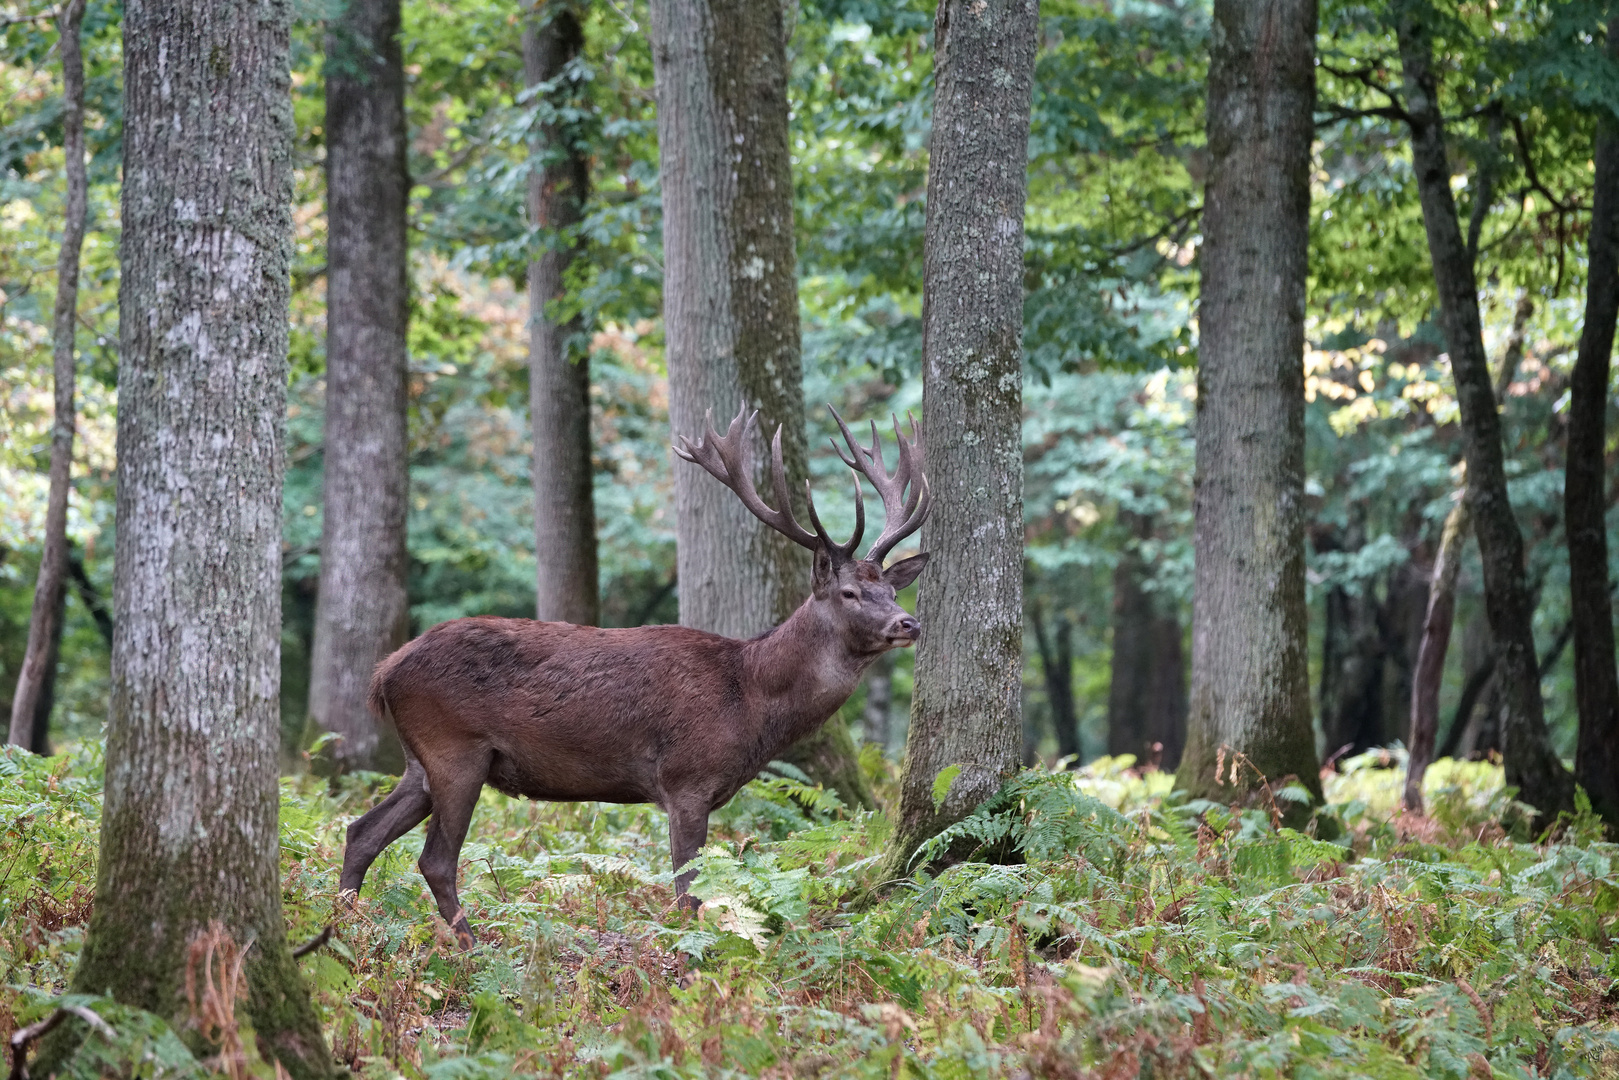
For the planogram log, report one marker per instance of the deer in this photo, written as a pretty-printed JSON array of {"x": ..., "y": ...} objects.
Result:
[{"x": 667, "y": 715}]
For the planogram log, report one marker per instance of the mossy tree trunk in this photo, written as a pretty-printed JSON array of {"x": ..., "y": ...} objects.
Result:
[
  {"x": 189, "y": 820},
  {"x": 361, "y": 612},
  {"x": 966, "y": 710},
  {"x": 566, "y": 587},
  {"x": 1596, "y": 680},
  {"x": 1250, "y": 693},
  {"x": 36, "y": 681},
  {"x": 730, "y": 313},
  {"x": 1531, "y": 764}
]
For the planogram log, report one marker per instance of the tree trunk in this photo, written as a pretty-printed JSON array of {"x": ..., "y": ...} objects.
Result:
[
  {"x": 1250, "y": 684},
  {"x": 1166, "y": 701},
  {"x": 1531, "y": 764},
  {"x": 361, "y": 613},
  {"x": 189, "y": 820},
  {"x": 39, "y": 737},
  {"x": 879, "y": 711},
  {"x": 1596, "y": 680},
  {"x": 1430, "y": 671},
  {"x": 1352, "y": 663},
  {"x": 1441, "y": 606},
  {"x": 965, "y": 711},
  {"x": 1057, "y": 667},
  {"x": 559, "y": 383},
  {"x": 730, "y": 314},
  {"x": 44, "y": 625}
]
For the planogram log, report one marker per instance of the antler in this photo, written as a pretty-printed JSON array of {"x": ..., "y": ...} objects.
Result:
[
  {"x": 902, "y": 515},
  {"x": 726, "y": 459}
]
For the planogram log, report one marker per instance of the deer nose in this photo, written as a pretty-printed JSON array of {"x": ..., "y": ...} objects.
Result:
[{"x": 909, "y": 626}]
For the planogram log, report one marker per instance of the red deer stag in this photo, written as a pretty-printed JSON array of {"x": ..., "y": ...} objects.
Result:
[{"x": 662, "y": 714}]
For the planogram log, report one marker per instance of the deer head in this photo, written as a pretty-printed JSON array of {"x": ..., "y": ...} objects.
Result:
[{"x": 854, "y": 595}]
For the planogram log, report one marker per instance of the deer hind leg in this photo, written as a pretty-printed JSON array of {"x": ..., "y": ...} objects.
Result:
[
  {"x": 456, "y": 785},
  {"x": 404, "y": 809}
]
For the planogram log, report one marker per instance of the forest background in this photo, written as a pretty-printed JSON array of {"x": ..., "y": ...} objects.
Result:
[
  {"x": 1098, "y": 925},
  {"x": 1115, "y": 185}
]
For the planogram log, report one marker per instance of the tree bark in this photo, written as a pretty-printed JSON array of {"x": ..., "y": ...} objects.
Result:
[
  {"x": 1146, "y": 703},
  {"x": 1531, "y": 764},
  {"x": 189, "y": 820},
  {"x": 1250, "y": 691},
  {"x": 1057, "y": 668},
  {"x": 879, "y": 711},
  {"x": 361, "y": 612},
  {"x": 44, "y": 624},
  {"x": 1436, "y": 627},
  {"x": 966, "y": 707},
  {"x": 730, "y": 313},
  {"x": 1596, "y": 680},
  {"x": 1352, "y": 667},
  {"x": 559, "y": 377}
]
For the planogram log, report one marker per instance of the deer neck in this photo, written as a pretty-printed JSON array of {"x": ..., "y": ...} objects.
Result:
[{"x": 801, "y": 673}]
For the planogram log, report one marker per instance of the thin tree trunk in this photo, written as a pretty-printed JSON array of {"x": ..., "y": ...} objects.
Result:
[
  {"x": 1352, "y": 671},
  {"x": 44, "y": 629},
  {"x": 1430, "y": 671},
  {"x": 1531, "y": 764},
  {"x": 1596, "y": 680},
  {"x": 189, "y": 821},
  {"x": 361, "y": 612},
  {"x": 559, "y": 382},
  {"x": 39, "y": 738},
  {"x": 879, "y": 711},
  {"x": 1441, "y": 611},
  {"x": 1057, "y": 668},
  {"x": 730, "y": 313},
  {"x": 1250, "y": 692},
  {"x": 1165, "y": 707},
  {"x": 965, "y": 712}
]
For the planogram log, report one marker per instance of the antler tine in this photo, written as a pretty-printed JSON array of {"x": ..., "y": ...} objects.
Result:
[
  {"x": 903, "y": 515},
  {"x": 726, "y": 459}
]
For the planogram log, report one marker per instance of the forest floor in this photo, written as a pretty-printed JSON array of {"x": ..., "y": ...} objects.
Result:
[{"x": 1117, "y": 933}]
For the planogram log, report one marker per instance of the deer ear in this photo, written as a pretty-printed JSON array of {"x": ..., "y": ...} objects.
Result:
[
  {"x": 822, "y": 574},
  {"x": 905, "y": 571}
]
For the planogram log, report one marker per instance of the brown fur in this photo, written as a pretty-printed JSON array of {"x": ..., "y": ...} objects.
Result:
[{"x": 661, "y": 714}]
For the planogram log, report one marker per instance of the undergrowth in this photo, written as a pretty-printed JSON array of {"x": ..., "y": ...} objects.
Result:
[{"x": 1101, "y": 927}]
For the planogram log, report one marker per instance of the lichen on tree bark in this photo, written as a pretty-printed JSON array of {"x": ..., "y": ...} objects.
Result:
[
  {"x": 966, "y": 709},
  {"x": 189, "y": 821}
]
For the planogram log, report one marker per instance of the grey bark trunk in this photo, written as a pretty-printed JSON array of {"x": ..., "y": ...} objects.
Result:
[
  {"x": 1531, "y": 764},
  {"x": 1430, "y": 671},
  {"x": 559, "y": 377},
  {"x": 730, "y": 313},
  {"x": 1250, "y": 692},
  {"x": 189, "y": 820},
  {"x": 1596, "y": 680},
  {"x": 966, "y": 708},
  {"x": 44, "y": 624},
  {"x": 361, "y": 613}
]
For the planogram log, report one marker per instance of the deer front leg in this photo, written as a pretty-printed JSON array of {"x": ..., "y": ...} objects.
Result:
[{"x": 688, "y": 829}]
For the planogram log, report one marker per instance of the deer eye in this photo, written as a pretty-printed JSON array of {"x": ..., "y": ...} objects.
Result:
[{"x": 850, "y": 594}]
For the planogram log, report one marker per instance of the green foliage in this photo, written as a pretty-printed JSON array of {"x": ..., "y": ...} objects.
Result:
[{"x": 1120, "y": 932}]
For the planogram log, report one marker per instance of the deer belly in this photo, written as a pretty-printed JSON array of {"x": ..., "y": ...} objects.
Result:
[{"x": 567, "y": 777}]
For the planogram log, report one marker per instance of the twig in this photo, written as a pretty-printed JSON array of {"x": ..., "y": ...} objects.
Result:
[{"x": 23, "y": 1036}]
